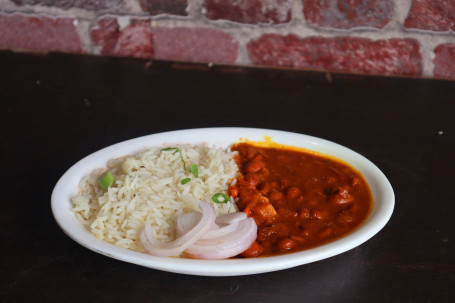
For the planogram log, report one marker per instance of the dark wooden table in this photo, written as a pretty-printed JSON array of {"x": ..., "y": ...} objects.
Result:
[{"x": 56, "y": 109}]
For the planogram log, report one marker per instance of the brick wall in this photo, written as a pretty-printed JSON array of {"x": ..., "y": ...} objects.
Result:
[{"x": 402, "y": 37}]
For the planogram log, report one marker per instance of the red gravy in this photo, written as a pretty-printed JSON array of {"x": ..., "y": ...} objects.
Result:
[{"x": 298, "y": 199}]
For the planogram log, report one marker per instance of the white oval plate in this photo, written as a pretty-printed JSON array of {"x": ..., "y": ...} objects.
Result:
[{"x": 67, "y": 187}]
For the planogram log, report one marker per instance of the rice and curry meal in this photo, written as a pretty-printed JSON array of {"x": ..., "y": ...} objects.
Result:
[{"x": 250, "y": 200}]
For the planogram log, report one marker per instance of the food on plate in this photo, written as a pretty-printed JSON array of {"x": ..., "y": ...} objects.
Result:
[
  {"x": 106, "y": 180},
  {"x": 299, "y": 199},
  {"x": 250, "y": 200},
  {"x": 204, "y": 236},
  {"x": 156, "y": 186}
]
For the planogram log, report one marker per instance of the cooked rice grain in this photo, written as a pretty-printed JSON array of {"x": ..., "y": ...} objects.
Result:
[{"x": 148, "y": 186}]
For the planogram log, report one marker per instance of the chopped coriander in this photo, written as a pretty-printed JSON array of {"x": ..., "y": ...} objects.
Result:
[
  {"x": 183, "y": 161},
  {"x": 220, "y": 198},
  {"x": 194, "y": 170},
  {"x": 176, "y": 150},
  {"x": 186, "y": 180},
  {"x": 106, "y": 180},
  {"x": 170, "y": 148}
]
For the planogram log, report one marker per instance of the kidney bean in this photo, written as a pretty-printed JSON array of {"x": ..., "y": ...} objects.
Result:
[
  {"x": 252, "y": 179},
  {"x": 284, "y": 183},
  {"x": 258, "y": 157},
  {"x": 275, "y": 185},
  {"x": 265, "y": 188},
  {"x": 287, "y": 214},
  {"x": 254, "y": 250},
  {"x": 276, "y": 195},
  {"x": 292, "y": 192},
  {"x": 286, "y": 244},
  {"x": 253, "y": 166},
  {"x": 250, "y": 153},
  {"x": 234, "y": 191},
  {"x": 317, "y": 214}
]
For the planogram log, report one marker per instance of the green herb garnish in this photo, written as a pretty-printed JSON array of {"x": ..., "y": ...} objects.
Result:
[
  {"x": 194, "y": 170},
  {"x": 171, "y": 148},
  {"x": 220, "y": 198},
  {"x": 106, "y": 180},
  {"x": 183, "y": 161},
  {"x": 176, "y": 150}
]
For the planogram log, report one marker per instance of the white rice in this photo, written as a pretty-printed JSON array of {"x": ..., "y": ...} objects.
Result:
[{"x": 147, "y": 187}]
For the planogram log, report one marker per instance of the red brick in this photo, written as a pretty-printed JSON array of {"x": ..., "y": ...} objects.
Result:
[
  {"x": 156, "y": 7},
  {"x": 249, "y": 11},
  {"x": 195, "y": 45},
  {"x": 106, "y": 34},
  {"x": 38, "y": 32},
  {"x": 347, "y": 54},
  {"x": 432, "y": 15},
  {"x": 444, "y": 61},
  {"x": 85, "y": 4},
  {"x": 347, "y": 14},
  {"x": 133, "y": 41}
]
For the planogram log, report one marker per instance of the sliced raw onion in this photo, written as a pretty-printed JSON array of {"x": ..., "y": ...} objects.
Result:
[
  {"x": 227, "y": 246},
  {"x": 187, "y": 221},
  {"x": 231, "y": 218},
  {"x": 199, "y": 235},
  {"x": 175, "y": 248},
  {"x": 221, "y": 231}
]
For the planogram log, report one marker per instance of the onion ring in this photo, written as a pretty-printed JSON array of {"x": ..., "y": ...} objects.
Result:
[
  {"x": 199, "y": 236},
  {"x": 231, "y": 218},
  {"x": 228, "y": 246},
  {"x": 187, "y": 221},
  {"x": 219, "y": 232},
  {"x": 156, "y": 248}
]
